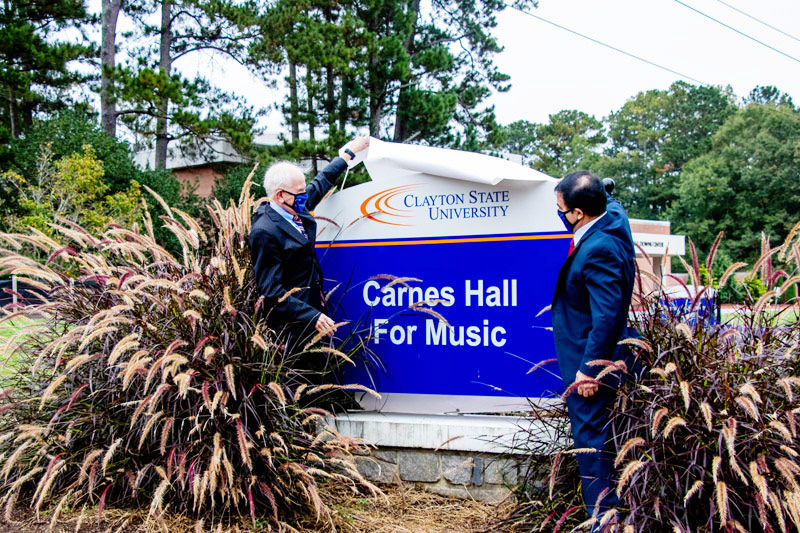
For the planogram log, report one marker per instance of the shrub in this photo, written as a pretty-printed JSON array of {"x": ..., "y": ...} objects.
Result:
[
  {"x": 70, "y": 188},
  {"x": 707, "y": 436},
  {"x": 175, "y": 194},
  {"x": 230, "y": 185},
  {"x": 154, "y": 381},
  {"x": 65, "y": 135}
]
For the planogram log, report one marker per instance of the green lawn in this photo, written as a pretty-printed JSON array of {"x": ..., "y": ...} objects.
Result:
[
  {"x": 786, "y": 316},
  {"x": 8, "y": 330}
]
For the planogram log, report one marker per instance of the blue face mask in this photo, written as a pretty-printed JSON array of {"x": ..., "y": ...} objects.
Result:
[
  {"x": 563, "y": 216},
  {"x": 299, "y": 201}
]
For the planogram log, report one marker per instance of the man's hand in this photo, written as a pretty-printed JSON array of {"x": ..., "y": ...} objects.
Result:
[
  {"x": 324, "y": 323},
  {"x": 358, "y": 144},
  {"x": 587, "y": 389}
]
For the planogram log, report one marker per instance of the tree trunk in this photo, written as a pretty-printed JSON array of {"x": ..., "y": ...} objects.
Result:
[
  {"x": 330, "y": 102},
  {"x": 375, "y": 121},
  {"x": 12, "y": 113},
  {"x": 293, "y": 107},
  {"x": 312, "y": 119},
  {"x": 344, "y": 91},
  {"x": 375, "y": 113},
  {"x": 108, "y": 107},
  {"x": 400, "y": 130},
  {"x": 25, "y": 116},
  {"x": 165, "y": 63},
  {"x": 376, "y": 97}
]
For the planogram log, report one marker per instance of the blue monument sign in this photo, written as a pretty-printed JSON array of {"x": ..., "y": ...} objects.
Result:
[{"x": 443, "y": 263}]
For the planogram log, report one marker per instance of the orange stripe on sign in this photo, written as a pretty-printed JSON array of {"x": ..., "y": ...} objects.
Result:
[{"x": 442, "y": 241}]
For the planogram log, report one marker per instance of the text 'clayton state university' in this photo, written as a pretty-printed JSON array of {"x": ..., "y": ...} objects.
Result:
[
  {"x": 437, "y": 333},
  {"x": 474, "y": 204}
]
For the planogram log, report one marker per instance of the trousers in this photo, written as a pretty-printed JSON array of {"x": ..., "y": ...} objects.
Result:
[{"x": 589, "y": 420}]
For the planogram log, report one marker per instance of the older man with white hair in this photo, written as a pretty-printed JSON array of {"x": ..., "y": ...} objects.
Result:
[{"x": 282, "y": 241}]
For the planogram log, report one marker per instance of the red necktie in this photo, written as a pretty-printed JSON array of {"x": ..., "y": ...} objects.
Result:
[{"x": 571, "y": 247}]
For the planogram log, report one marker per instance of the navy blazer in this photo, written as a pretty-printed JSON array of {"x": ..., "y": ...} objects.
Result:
[
  {"x": 283, "y": 259},
  {"x": 593, "y": 295}
]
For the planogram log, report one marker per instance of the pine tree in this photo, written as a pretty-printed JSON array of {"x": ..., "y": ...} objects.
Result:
[
  {"x": 157, "y": 103},
  {"x": 35, "y": 64}
]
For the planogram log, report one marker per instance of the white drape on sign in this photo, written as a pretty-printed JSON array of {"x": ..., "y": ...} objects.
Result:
[{"x": 389, "y": 160}]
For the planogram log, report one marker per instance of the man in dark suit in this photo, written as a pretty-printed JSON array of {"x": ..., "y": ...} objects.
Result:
[
  {"x": 590, "y": 311},
  {"x": 282, "y": 251}
]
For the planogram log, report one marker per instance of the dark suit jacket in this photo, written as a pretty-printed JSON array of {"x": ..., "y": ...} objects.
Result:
[
  {"x": 593, "y": 294},
  {"x": 283, "y": 259}
]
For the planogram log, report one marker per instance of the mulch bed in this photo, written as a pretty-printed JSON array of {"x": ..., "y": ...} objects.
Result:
[{"x": 404, "y": 509}]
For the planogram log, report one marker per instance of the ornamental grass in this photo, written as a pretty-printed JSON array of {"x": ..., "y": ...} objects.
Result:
[
  {"x": 706, "y": 431},
  {"x": 151, "y": 380}
]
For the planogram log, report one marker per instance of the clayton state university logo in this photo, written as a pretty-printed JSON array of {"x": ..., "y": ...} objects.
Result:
[{"x": 400, "y": 206}]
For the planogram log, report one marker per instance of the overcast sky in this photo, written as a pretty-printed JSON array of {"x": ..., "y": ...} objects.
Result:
[{"x": 552, "y": 69}]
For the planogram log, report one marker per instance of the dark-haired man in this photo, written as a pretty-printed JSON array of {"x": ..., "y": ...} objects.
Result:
[{"x": 590, "y": 311}]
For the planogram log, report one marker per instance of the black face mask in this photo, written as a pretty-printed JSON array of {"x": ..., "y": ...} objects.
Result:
[{"x": 567, "y": 224}]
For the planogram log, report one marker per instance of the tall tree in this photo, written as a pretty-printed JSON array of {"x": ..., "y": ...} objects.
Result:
[
  {"x": 567, "y": 142},
  {"x": 108, "y": 54},
  {"x": 431, "y": 68},
  {"x": 157, "y": 102},
  {"x": 404, "y": 69},
  {"x": 273, "y": 50},
  {"x": 746, "y": 183},
  {"x": 519, "y": 137},
  {"x": 321, "y": 42},
  {"x": 35, "y": 62},
  {"x": 165, "y": 66},
  {"x": 767, "y": 94},
  {"x": 653, "y": 136},
  {"x": 570, "y": 140}
]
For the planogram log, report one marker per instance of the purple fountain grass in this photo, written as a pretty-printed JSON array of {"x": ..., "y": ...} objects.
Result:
[
  {"x": 154, "y": 381},
  {"x": 706, "y": 436}
]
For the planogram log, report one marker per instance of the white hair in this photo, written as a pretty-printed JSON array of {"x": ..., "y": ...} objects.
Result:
[{"x": 279, "y": 175}]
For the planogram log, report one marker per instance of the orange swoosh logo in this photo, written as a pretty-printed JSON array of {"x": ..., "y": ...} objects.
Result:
[{"x": 379, "y": 203}]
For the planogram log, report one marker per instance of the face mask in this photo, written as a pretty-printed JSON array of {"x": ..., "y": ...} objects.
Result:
[
  {"x": 563, "y": 216},
  {"x": 299, "y": 201}
]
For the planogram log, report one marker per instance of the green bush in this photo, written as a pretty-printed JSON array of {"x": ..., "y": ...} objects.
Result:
[
  {"x": 70, "y": 189},
  {"x": 707, "y": 436},
  {"x": 66, "y": 135},
  {"x": 229, "y": 187},
  {"x": 153, "y": 381}
]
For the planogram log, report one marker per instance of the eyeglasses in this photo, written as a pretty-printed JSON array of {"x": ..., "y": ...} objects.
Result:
[{"x": 292, "y": 193}]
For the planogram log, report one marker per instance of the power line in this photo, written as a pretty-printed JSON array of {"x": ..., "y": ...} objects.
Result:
[
  {"x": 759, "y": 20},
  {"x": 638, "y": 58},
  {"x": 737, "y": 31},
  {"x": 684, "y": 76}
]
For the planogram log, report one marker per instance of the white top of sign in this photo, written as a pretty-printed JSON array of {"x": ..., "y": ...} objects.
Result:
[{"x": 389, "y": 160}]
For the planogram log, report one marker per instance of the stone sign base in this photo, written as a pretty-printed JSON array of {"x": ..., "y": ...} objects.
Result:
[
  {"x": 478, "y": 476},
  {"x": 467, "y": 456}
]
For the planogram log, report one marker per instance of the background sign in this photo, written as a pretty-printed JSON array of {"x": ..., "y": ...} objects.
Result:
[{"x": 446, "y": 277}]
